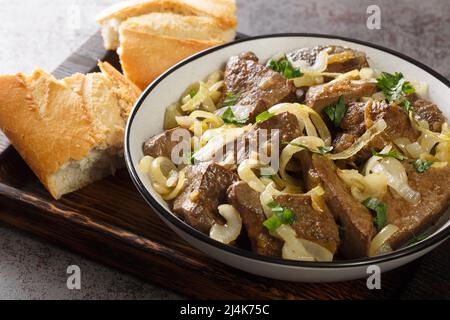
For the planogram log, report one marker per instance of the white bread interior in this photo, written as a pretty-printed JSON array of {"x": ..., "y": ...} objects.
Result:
[
  {"x": 223, "y": 12},
  {"x": 70, "y": 132}
]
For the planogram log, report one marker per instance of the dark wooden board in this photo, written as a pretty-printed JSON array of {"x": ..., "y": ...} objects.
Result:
[{"x": 109, "y": 222}]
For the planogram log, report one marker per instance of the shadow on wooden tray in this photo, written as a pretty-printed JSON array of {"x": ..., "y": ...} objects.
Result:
[{"x": 109, "y": 222}]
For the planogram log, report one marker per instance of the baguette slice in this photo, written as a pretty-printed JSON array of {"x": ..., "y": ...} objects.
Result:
[
  {"x": 70, "y": 132},
  {"x": 153, "y": 43},
  {"x": 222, "y": 11}
]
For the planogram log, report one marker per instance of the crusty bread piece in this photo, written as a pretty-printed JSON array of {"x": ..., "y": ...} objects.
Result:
[
  {"x": 70, "y": 132},
  {"x": 152, "y": 43},
  {"x": 222, "y": 11}
]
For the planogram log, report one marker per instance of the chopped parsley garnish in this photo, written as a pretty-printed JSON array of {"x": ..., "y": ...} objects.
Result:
[
  {"x": 280, "y": 215},
  {"x": 324, "y": 150},
  {"x": 416, "y": 239},
  {"x": 229, "y": 117},
  {"x": 320, "y": 150},
  {"x": 230, "y": 99},
  {"x": 391, "y": 154},
  {"x": 266, "y": 115},
  {"x": 422, "y": 165},
  {"x": 189, "y": 158},
  {"x": 336, "y": 112},
  {"x": 394, "y": 86},
  {"x": 193, "y": 93},
  {"x": 406, "y": 106},
  {"x": 380, "y": 209},
  {"x": 284, "y": 67}
]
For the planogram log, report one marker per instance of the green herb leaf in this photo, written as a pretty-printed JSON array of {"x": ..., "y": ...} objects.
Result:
[
  {"x": 391, "y": 154},
  {"x": 422, "y": 165},
  {"x": 320, "y": 150},
  {"x": 394, "y": 86},
  {"x": 336, "y": 112},
  {"x": 266, "y": 115},
  {"x": 193, "y": 93},
  {"x": 229, "y": 117},
  {"x": 189, "y": 158},
  {"x": 416, "y": 239},
  {"x": 406, "y": 106},
  {"x": 280, "y": 215},
  {"x": 287, "y": 216},
  {"x": 284, "y": 67},
  {"x": 231, "y": 99},
  {"x": 380, "y": 209},
  {"x": 272, "y": 224},
  {"x": 324, "y": 150}
]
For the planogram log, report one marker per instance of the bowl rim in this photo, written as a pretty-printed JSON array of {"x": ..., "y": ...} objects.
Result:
[{"x": 179, "y": 224}]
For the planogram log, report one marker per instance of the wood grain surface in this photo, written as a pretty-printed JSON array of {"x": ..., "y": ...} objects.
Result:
[{"x": 109, "y": 222}]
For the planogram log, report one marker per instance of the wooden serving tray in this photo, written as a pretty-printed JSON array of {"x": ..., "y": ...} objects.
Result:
[{"x": 110, "y": 223}]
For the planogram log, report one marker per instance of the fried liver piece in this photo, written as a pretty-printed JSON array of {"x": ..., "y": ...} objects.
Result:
[
  {"x": 257, "y": 86},
  {"x": 246, "y": 201},
  {"x": 205, "y": 190}
]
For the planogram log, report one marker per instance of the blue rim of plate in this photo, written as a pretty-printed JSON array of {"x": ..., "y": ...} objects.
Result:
[{"x": 403, "y": 252}]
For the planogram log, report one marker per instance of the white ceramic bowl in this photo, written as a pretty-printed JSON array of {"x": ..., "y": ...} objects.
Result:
[{"x": 147, "y": 118}]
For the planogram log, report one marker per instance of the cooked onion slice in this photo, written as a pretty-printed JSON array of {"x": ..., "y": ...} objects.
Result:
[
  {"x": 178, "y": 187},
  {"x": 312, "y": 143},
  {"x": 217, "y": 142},
  {"x": 423, "y": 127},
  {"x": 363, "y": 187},
  {"x": 307, "y": 81},
  {"x": 295, "y": 248},
  {"x": 316, "y": 197},
  {"x": 378, "y": 127},
  {"x": 231, "y": 230},
  {"x": 378, "y": 244},
  {"x": 396, "y": 178},
  {"x": 307, "y": 118},
  {"x": 161, "y": 169},
  {"x": 245, "y": 172},
  {"x": 145, "y": 164},
  {"x": 198, "y": 99}
]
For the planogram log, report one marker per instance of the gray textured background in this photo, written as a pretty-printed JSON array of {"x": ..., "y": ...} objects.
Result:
[{"x": 43, "y": 32}]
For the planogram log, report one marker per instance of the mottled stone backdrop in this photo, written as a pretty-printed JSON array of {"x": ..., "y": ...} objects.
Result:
[{"x": 43, "y": 32}]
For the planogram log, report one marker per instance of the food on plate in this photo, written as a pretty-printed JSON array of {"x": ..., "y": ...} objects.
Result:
[
  {"x": 151, "y": 36},
  {"x": 312, "y": 155},
  {"x": 70, "y": 131}
]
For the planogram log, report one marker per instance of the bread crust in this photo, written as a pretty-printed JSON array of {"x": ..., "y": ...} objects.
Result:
[
  {"x": 223, "y": 11},
  {"x": 45, "y": 121},
  {"x": 145, "y": 56},
  {"x": 54, "y": 123}
]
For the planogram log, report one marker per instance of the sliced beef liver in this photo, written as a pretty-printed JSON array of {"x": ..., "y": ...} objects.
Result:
[
  {"x": 428, "y": 111},
  {"x": 310, "y": 176},
  {"x": 434, "y": 187},
  {"x": 288, "y": 129},
  {"x": 312, "y": 225},
  {"x": 321, "y": 96},
  {"x": 343, "y": 59},
  {"x": 258, "y": 86},
  {"x": 355, "y": 219},
  {"x": 206, "y": 188},
  {"x": 286, "y": 124},
  {"x": 163, "y": 144},
  {"x": 246, "y": 201},
  {"x": 360, "y": 117}
]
